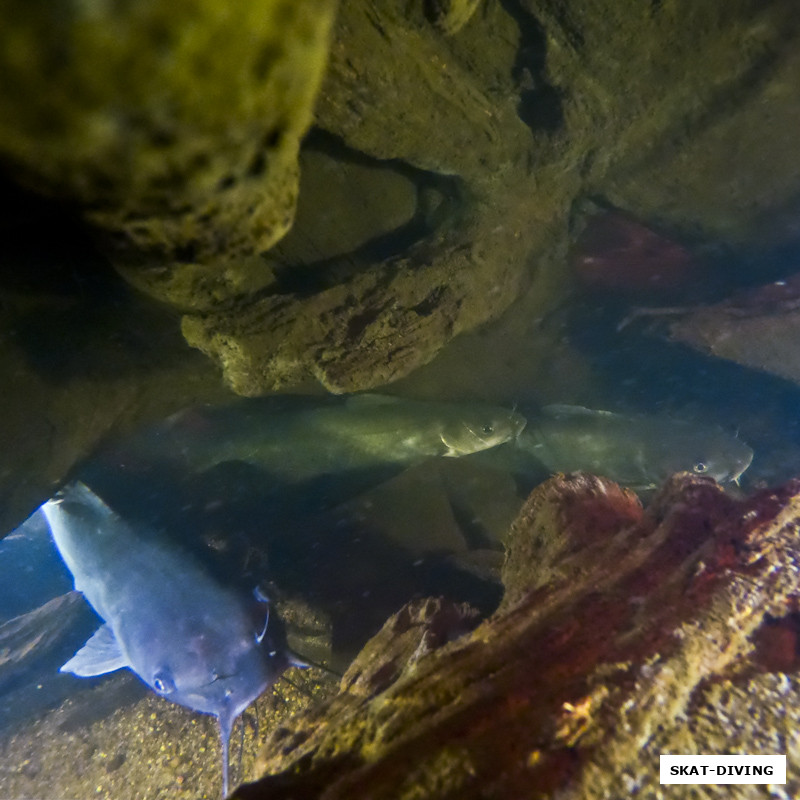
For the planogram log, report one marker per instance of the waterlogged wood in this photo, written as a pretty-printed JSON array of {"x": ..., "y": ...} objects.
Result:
[
  {"x": 758, "y": 328},
  {"x": 32, "y": 637},
  {"x": 613, "y": 617}
]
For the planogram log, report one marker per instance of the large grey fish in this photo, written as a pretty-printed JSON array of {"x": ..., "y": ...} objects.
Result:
[
  {"x": 638, "y": 450},
  {"x": 298, "y": 438},
  {"x": 188, "y": 638},
  {"x": 314, "y": 452}
]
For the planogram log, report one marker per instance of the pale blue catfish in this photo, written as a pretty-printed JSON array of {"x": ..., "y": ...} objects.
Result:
[{"x": 187, "y": 637}]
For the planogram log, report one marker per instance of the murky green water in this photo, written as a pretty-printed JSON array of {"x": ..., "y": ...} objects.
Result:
[
  {"x": 336, "y": 560},
  {"x": 338, "y": 565},
  {"x": 339, "y": 540}
]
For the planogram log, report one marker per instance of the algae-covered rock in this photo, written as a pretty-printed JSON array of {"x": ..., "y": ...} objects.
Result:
[
  {"x": 343, "y": 205},
  {"x": 473, "y": 128},
  {"x": 731, "y": 177},
  {"x": 452, "y": 15},
  {"x": 378, "y": 326},
  {"x": 393, "y": 94},
  {"x": 176, "y": 127}
]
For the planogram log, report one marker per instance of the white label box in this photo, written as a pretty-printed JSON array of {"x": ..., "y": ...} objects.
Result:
[{"x": 723, "y": 769}]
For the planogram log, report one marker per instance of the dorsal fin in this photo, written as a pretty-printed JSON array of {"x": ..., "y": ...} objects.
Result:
[
  {"x": 369, "y": 400},
  {"x": 565, "y": 410}
]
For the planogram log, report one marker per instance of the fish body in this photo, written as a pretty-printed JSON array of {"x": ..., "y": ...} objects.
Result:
[
  {"x": 187, "y": 637},
  {"x": 300, "y": 438},
  {"x": 638, "y": 450}
]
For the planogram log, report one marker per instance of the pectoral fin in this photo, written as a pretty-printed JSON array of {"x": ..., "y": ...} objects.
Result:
[{"x": 100, "y": 654}]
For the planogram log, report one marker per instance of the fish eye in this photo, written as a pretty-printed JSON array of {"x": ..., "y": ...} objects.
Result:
[
  {"x": 700, "y": 467},
  {"x": 163, "y": 683},
  {"x": 488, "y": 428}
]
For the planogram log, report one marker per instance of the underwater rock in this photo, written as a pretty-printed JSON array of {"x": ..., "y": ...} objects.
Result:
[
  {"x": 727, "y": 177},
  {"x": 484, "y": 500},
  {"x": 712, "y": 156},
  {"x": 175, "y": 129},
  {"x": 367, "y": 332},
  {"x": 393, "y": 512},
  {"x": 759, "y": 329},
  {"x": 343, "y": 204},
  {"x": 451, "y": 15},
  {"x": 392, "y": 94},
  {"x": 614, "y": 621},
  {"x": 519, "y": 112}
]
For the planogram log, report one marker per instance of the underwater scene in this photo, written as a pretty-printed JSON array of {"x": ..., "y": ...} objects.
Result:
[{"x": 400, "y": 400}]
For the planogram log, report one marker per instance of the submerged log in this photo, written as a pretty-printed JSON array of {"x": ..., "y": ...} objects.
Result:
[
  {"x": 614, "y": 621},
  {"x": 758, "y": 328}
]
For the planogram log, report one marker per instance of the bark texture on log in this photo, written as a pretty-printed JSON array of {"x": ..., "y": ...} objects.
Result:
[
  {"x": 614, "y": 622},
  {"x": 758, "y": 328}
]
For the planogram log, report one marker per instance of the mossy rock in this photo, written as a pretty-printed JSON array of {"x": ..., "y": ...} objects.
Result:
[{"x": 176, "y": 127}]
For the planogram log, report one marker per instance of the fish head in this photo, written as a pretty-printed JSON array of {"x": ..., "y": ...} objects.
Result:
[
  {"x": 77, "y": 505},
  {"x": 710, "y": 452},
  {"x": 721, "y": 457},
  {"x": 214, "y": 675},
  {"x": 223, "y": 684},
  {"x": 479, "y": 428}
]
